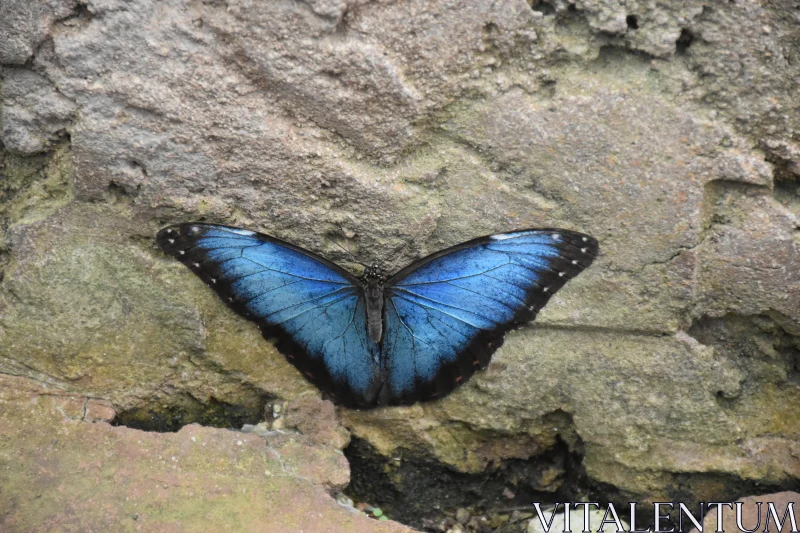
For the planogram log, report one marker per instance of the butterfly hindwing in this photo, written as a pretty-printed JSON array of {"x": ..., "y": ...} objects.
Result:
[
  {"x": 446, "y": 314},
  {"x": 314, "y": 309}
]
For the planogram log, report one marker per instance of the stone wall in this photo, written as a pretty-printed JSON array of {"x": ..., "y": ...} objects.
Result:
[{"x": 669, "y": 369}]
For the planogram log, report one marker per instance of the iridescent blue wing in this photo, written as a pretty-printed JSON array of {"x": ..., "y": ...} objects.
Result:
[
  {"x": 313, "y": 308},
  {"x": 446, "y": 315}
]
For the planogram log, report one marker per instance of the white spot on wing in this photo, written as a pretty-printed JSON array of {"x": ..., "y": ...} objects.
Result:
[
  {"x": 240, "y": 231},
  {"x": 513, "y": 235},
  {"x": 504, "y": 236}
]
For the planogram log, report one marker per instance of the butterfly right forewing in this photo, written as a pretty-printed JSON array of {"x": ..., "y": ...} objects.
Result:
[{"x": 447, "y": 314}]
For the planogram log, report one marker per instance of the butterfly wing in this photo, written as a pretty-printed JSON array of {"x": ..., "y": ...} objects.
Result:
[
  {"x": 313, "y": 308},
  {"x": 446, "y": 314}
]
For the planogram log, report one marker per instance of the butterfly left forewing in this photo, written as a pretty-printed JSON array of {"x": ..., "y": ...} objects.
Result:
[
  {"x": 447, "y": 314},
  {"x": 313, "y": 308}
]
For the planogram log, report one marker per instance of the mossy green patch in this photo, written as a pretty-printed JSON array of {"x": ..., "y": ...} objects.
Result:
[
  {"x": 35, "y": 186},
  {"x": 102, "y": 313}
]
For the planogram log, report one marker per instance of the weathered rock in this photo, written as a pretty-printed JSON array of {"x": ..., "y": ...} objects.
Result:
[
  {"x": 754, "y": 516},
  {"x": 393, "y": 129},
  {"x": 595, "y": 517},
  {"x": 316, "y": 419},
  {"x": 35, "y": 115},
  {"x": 59, "y": 470},
  {"x": 24, "y": 25}
]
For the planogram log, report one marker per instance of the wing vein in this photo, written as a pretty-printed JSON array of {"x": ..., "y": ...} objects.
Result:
[
  {"x": 406, "y": 326},
  {"x": 245, "y": 302},
  {"x": 454, "y": 279},
  {"x": 295, "y": 275},
  {"x": 487, "y": 296},
  {"x": 440, "y": 311},
  {"x": 340, "y": 335},
  {"x": 306, "y": 310},
  {"x": 444, "y": 304}
]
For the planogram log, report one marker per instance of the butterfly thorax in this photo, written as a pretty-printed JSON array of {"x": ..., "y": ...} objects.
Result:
[{"x": 373, "y": 293}]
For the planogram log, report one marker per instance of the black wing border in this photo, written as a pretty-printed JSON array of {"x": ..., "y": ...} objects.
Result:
[
  {"x": 162, "y": 238},
  {"x": 592, "y": 245}
]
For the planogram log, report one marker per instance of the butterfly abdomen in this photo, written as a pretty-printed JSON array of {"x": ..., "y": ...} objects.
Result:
[{"x": 374, "y": 301}]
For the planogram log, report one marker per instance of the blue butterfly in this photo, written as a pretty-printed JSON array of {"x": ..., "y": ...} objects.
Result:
[{"x": 373, "y": 340}]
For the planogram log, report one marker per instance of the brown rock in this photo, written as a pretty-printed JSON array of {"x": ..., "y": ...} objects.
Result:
[
  {"x": 99, "y": 411},
  {"x": 60, "y": 473},
  {"x": 750, "y": 517},
  {"x": 316, "y": 419},
  {"x": 400, "y": 128}
]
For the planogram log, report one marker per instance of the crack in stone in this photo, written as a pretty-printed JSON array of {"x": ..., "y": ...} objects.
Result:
[
  {"x": 28, "y": 372},
  {"x": 635, "y": 332}
]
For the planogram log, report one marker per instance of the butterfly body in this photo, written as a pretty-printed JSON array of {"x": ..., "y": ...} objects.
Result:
[
  {"x": 373, "y": 294},
  {"x": 375, "y": 340}
]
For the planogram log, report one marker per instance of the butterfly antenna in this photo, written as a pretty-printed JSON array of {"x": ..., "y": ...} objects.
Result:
[
  {"x": 397, "y": 257},
  {"x": 352, "y": 257}
]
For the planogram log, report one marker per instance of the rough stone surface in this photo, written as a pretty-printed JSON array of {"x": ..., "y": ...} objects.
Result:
[
  {"x": 25, "y": 25},
  {"x": 670, "y": 369},
  {"x": 64, "y": 468},
  {"x": 753, "y": 515},
  {"x": 576, "y": 521},
  {"x": 316, "y": 419},
  {"x": 35, "y": 115}
]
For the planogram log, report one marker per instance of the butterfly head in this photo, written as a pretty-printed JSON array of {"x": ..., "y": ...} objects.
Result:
[{"x": 374, "y": 274}]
